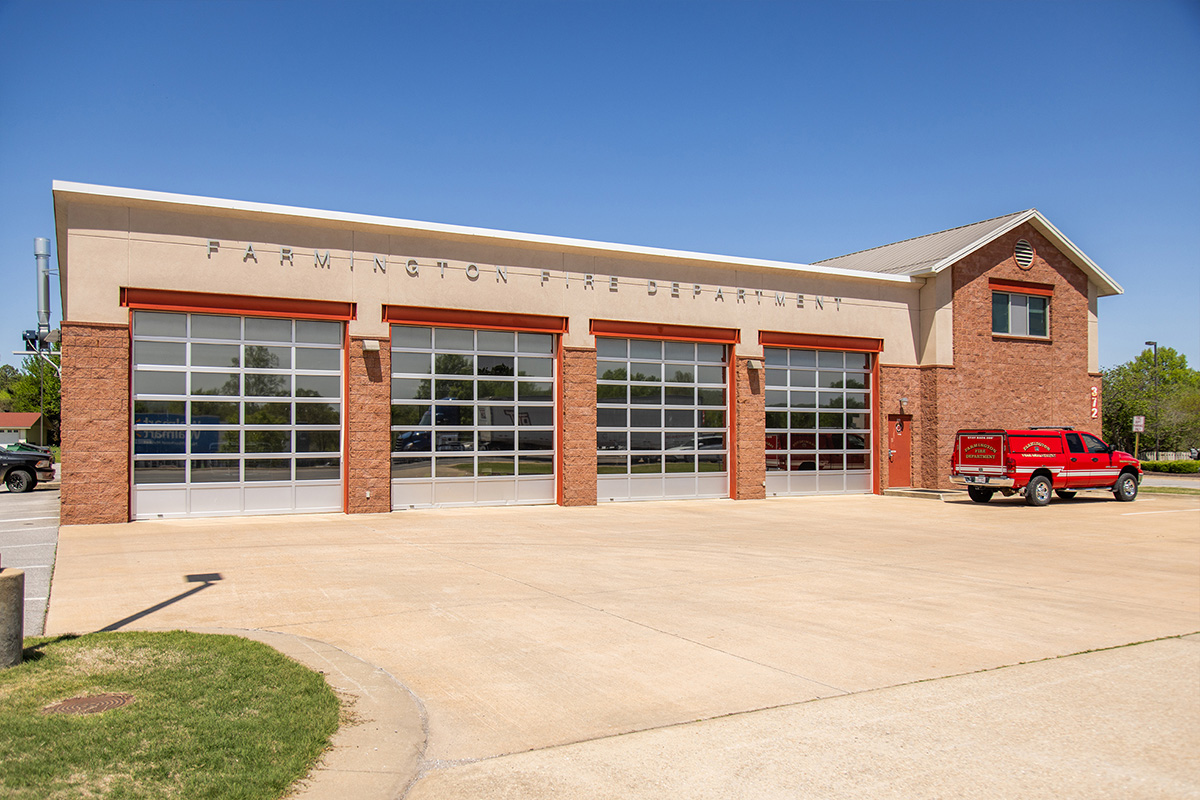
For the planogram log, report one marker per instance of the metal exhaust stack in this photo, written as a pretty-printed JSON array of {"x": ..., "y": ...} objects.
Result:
[{"x": 41, "y": 253}]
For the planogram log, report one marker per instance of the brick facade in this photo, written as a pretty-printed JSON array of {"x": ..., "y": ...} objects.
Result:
[
  {"x": 368, "y": 429},
  {"x": 1000, "y": 381},
  {"x": 750, "y": 469},
  {"x": 95, "y": 424},
  {"x": 577, "y": 467}
]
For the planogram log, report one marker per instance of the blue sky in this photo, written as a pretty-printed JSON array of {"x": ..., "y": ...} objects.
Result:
[{"x": 792, "y": 131}]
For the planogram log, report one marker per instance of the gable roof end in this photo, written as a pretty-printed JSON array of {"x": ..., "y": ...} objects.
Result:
[
  {"x": 19, "y": 419},
  {"x": 930, "y": 254}
]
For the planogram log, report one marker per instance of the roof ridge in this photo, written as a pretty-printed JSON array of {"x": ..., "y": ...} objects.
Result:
[{"x": 927, "y": 235}]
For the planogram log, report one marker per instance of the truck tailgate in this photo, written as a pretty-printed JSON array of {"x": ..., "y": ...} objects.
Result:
[{"x": 981, "y": 452}]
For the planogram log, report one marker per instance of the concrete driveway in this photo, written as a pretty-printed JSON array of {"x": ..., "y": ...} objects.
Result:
[{"x": 800, "y": 647}]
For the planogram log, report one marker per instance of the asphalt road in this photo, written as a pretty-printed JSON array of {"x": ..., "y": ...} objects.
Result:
[
  {"x": 28, "y": 540},
  {"x": 1171, "y": 479}
]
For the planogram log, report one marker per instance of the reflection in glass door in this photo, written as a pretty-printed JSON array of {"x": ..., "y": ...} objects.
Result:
[
  {"x": 661, "y": 419},
  {"x": 473, "y": 417},
  {"x": 818, "y": 415},
  {"x": 235, "y": 415}
]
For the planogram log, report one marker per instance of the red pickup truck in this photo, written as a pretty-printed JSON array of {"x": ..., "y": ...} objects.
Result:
[{"x": 1037, "y": 461}]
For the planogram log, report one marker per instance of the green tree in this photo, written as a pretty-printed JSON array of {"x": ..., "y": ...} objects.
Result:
[
  {"x": 8, "y": 374},
  {"x": 26, "y": 389},
  {"x": 1171, "y": 406}
]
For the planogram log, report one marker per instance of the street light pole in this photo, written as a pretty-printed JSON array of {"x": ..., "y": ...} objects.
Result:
[{"x": 1157, "y": 420}]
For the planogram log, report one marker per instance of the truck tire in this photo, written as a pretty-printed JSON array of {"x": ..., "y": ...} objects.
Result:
[
  {"x": 19, "y": 480},
  {"x": 1065, "y": 494},
  {"x": 1126, "y": 488},
  {"x": 1037, "y": 493},
  {"x": 979, "y": 494}
]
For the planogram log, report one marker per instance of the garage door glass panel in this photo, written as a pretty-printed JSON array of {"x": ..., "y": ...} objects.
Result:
[
  {"x": 660, "y": 419},
  {"x": 484, "y": 437},
  {"x": 818, "y": 421},
  {"x": 226, "y": 437}
]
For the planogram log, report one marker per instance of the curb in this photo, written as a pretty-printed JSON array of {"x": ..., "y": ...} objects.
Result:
[
  {"x": 376, "y": 754},
  {"x": 926, "y": 494}
]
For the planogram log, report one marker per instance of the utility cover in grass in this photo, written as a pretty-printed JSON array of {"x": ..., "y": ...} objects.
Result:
[{"x": 213, "y": 717}]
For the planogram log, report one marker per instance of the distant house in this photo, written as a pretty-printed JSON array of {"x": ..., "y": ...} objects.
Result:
[{"x": 16, "y": 426}]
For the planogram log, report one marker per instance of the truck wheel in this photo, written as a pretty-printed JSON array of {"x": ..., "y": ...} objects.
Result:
[
  {"x": 1037, "y": 493},
  {"x": 979, "y": 494},
  {"x": 1065, "y": 494},
  {"x": 20, "y": 480},
  {"x": 1126, "y": 488}
]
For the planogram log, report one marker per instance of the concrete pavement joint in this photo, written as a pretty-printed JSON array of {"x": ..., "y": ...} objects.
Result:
[{"x": 440, "y": 764}]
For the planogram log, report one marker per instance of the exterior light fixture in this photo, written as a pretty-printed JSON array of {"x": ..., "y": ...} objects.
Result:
[
  {"x": 370, "y": 345},
  {"x": 754, "y": 365}
]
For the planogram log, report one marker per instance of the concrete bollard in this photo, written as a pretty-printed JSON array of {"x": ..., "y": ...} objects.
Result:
[{"x": 12, "y": 616}]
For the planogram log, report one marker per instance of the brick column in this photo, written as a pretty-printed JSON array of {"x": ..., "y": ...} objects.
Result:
[
  {"x": 95, "y": 424},
  {"x": 751, "y": 435},
  {"x": 368, "y": 410},
  {"x": 578, "y": 430}
]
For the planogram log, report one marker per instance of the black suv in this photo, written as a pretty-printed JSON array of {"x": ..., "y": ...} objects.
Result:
[{"x": 22, "y": 471}]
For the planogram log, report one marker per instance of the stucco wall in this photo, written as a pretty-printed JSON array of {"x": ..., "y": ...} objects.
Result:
[{"x": 111, "y": 244}]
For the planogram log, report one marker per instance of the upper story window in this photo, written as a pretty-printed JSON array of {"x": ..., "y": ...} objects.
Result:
[{"x": 1020, "y": 314}]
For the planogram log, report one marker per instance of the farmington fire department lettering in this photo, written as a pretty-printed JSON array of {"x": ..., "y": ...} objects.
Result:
[
  {"x": 1037, "y": 449},
  {"x": 980, "y": 451},
  {"x": 413, "y": 268}
]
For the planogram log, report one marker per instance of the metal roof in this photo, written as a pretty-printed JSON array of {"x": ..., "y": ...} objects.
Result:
[{"x": 932, "y": 253}]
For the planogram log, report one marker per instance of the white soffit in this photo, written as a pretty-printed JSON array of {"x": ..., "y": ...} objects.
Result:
[{"x": 238, "y": 206}]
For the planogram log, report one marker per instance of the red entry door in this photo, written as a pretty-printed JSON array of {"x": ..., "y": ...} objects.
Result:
[{"x": 899, "y": 450}]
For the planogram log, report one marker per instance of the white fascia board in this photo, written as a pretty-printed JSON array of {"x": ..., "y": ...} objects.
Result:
[
  {"x": 68, "y": 187},
  {"x": 1107, "y": 285}
]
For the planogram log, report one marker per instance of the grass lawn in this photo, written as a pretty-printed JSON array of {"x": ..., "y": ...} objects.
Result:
[
  {"x": 212, "y": 716},
  {"x": 1168, "y": 490}
]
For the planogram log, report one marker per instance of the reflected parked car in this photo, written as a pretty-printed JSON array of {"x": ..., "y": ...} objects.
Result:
[
  {"x": 26, "y": 447},
  {"x": 23, "y": 471}
]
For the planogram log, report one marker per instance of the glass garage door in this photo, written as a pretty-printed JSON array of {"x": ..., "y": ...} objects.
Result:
[
  {"x": 661, "y": 420},
  {"x": 235, "y": 415},
  {"x": 818, "y": 422},
  {"x": 473, "y": 417}
]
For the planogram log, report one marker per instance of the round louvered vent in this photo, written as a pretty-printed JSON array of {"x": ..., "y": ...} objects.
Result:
[{"x": 1024, "y": 254}]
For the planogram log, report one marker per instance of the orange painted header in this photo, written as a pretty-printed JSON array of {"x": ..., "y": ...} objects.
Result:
[
  {"x": 817, "y": 341},
  {"x": 662, "y": 330},
  {"x": 1023, "y": 287},
  {"x": 460, "y": 318},
  {"x": 207, "y": 303}
]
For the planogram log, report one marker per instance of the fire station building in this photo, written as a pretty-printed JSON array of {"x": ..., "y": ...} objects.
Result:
[{"x": 231, "y": 358}]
